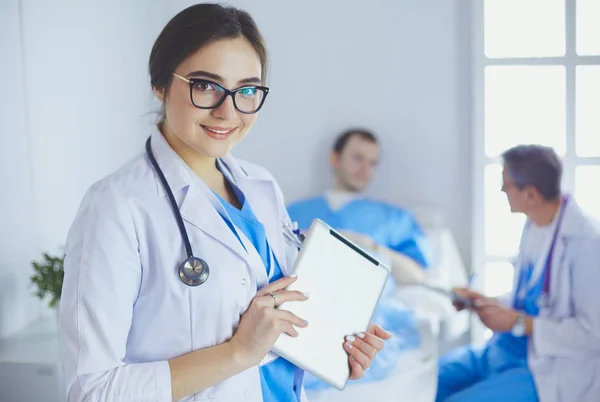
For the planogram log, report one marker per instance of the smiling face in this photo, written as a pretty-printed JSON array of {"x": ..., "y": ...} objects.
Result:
[{"x": 211, "y": 133}]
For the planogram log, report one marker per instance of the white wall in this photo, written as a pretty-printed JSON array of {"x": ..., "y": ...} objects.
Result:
[
  {"x": 17, "y": 235},
  {"x": 399, "y": 67},
  {"x": 88, "y": 97},
  {"x": 77, "y": 107}
]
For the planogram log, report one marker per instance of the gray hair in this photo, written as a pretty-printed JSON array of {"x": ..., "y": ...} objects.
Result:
[{"x": 535, "y": 165}]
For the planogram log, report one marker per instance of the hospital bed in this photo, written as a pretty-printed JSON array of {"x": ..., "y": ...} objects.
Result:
[{"x": 414, "y": 377}]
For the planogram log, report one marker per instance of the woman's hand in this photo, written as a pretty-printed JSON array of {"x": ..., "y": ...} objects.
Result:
[
  {"x": 362, "y": 349},
  {"x": 261, "y": 324}
]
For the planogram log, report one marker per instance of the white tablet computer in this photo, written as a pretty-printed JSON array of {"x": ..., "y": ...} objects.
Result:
[{"x": 344, "y": 284}]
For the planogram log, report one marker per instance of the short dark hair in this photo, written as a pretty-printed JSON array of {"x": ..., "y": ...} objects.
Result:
[
  {"x": 343, "y": 138},
  {"x": 535, "y": 165},
  {"x": 194, "y": 28}
]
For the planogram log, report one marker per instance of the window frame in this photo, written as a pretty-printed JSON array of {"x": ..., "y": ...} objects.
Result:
[{"x": 480, "y": 160}]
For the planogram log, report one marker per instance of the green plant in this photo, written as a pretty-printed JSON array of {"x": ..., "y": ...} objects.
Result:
[{"x": 48, "y": 277}]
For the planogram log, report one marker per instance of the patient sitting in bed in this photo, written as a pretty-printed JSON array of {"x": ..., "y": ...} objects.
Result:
[{"x": 389, "y": 232}]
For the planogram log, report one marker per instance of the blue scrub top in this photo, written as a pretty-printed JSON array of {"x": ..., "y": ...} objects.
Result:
[
  {"x": 388, "y": 225},
  {"x": 281, "y": 381}
]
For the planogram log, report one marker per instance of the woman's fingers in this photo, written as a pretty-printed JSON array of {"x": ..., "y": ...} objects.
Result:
[
  {"x": 379, "y": 332},
  {"x": 291, "y": 318},
  {"x": 281, "y": 297},
  {"x": 365, "y": 347},
  {"x": 286, "y": 327},
  {"x": 356, "y": 371},
  {"x": 357, "y": 354},
  {"x": 279, "y": 284},
  {"x": 371, "y": 340},
  {"x": 289, "y": 295}
]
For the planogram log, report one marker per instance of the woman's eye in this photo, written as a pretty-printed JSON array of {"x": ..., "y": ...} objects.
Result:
[
  {"x": 250, "y": 91},
  {"x": 205, "y": 86}
]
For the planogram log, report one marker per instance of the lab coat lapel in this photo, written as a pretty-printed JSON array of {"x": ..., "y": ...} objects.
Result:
[
  {"x": 203, "y": 210},
  {"x": 262, "y": 196},
  {"x": 570, "y": 226},
  {"x": 197, "y": 210},
  {"x": 192, "y": 196}
]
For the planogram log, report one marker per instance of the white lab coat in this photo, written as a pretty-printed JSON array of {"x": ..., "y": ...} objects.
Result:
[
  {"x": 564, "y": 352},
  {"x": 124, "y": 310}
]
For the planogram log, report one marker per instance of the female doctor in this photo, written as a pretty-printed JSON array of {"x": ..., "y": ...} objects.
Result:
[{"x": 174, "y": 263}]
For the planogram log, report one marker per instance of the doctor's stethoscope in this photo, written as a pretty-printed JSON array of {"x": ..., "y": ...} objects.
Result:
[
  {"x": 544, "y": 301},
  {"x": 194, "y": 271}
]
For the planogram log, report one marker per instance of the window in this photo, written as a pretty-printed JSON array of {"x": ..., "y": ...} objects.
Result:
[{"x": 537, "y": 80}]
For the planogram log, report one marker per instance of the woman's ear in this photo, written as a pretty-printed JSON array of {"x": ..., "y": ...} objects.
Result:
[{"x": 159, "y": 93}]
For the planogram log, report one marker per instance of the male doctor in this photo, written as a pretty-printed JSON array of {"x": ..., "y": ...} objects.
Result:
[
  {"x": 546, "y": 342},
  {"x": 388, "y": 231}
]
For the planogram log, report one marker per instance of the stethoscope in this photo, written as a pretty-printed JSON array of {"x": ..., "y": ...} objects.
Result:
[
  {"x": 544, "y": 301},
  {"x": 194, "y": 271}
]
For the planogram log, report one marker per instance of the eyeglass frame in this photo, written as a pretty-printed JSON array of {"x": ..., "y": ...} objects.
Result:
[{"x": 226, "y": 93}]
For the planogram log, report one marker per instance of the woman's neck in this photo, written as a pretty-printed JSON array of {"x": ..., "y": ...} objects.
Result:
[{"x": 203, "y": 165}]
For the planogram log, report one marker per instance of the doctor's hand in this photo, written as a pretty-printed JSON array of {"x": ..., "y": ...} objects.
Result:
[
  {"x": 494, "y": 316},
  {"x": 363, "y": 348},
  {"x": 261, "y": 324},
  {"x": 467, "y": 294}
]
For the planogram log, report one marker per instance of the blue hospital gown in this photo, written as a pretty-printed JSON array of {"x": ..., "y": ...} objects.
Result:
[{"x": 389, "y": 226}]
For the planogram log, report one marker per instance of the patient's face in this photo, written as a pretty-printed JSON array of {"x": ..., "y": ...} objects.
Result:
[{"x": 355, "y": 166}]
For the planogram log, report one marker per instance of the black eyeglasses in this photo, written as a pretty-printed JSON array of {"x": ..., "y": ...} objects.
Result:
[{"x": 206, "y": 94}]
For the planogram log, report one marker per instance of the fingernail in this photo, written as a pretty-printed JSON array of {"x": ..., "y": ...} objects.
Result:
[
  {"x": 350, "y": 338},
  {"x": 294, "y": 276},
  {"x": 306, "y": 322},
  {"x": 348, "y": 345},
  {"x": 361, "y": 335},
  {"x": 305, "y": 295}
]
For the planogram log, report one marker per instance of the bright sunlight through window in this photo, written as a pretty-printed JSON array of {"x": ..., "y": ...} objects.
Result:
[{"x": 537, "y": 81}]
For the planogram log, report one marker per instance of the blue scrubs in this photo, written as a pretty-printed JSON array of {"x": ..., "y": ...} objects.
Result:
[
  {"x": 394, "y": 228},
  {"x": 281, "y": 381},
  {"x": 497, "y": 372},
  {"x": 386, "y": 224}
]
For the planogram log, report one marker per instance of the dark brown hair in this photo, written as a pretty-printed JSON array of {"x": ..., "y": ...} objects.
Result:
[
  {"x": 194, "y": 28},
  {"x": 343, "y": 138}
]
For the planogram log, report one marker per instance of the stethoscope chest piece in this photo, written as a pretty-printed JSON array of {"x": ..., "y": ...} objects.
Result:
[{"x": 194, "y": 271}]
